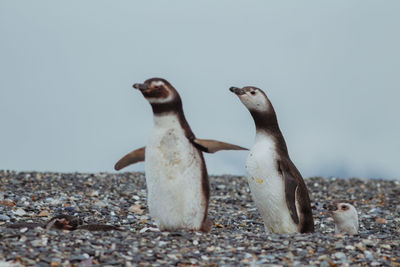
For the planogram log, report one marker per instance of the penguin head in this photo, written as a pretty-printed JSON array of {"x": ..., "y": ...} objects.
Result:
[
  {"x": 345, "y": 213},
  {"x": 157, "y": 91},
  {"x": 253, "y": 98}
]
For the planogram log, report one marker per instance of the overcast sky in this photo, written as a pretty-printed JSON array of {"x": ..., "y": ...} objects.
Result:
[{"x": 330, "y": 68}]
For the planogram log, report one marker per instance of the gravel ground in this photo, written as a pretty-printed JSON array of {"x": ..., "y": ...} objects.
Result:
[{"x": 237, "y": 237}]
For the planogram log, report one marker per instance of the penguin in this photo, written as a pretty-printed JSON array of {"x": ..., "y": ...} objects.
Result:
[
  {"x": 346, "y": 218},
  {"x": 276, "y": 185},
  {"x": 67, "y": 223},
  {"x": 178, "y": 189},
  {"x": 64, "y": 222}
]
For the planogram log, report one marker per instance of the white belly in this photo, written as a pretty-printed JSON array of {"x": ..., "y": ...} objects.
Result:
[
  {"x": 267, "y": 187},
  {"x": 173, "y": 177}
]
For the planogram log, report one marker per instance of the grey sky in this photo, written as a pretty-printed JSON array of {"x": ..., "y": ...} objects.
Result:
[{"x": 330, "y": 68}]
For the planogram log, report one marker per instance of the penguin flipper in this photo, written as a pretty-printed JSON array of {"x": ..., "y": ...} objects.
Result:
[
  {"x": 212, "y": 146},
  {"x": 130, "y": 158},
  {"x": 290, "y": 191}
]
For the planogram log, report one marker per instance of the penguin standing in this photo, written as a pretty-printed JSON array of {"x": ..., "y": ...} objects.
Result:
[
  {"x": 176, "y": 175},
  {"x": 276, "y": 185}
]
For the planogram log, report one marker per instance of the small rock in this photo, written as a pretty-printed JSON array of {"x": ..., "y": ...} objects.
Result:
[
  {"x": 368, "y": 255},
  {"x": 136, "y": 209},
  {"x": 82, "y": 257},
  {"x": 4, "y": 217},
  {"x": 44, "y": 213},
  {"x": 94, "y": 193},
  {"x": 172, "y": 256},
  {"x": 100, "y": 203},
  {"x": 49, "y": 199},
  {"x": 210, "y": 249},
  {"x": 340, "y": 256},
  {"x": 221, "y": 186},
  {"x": 368, "y": 242},
  {"x": 20, "y": 212},
  {"x": 28, "y": 261},
  {"x": 7, "y": 203},
  {"x": 37, "y": 243},
  {"x": 205, "y": 258},
  {"x": 381, "y": 220}
]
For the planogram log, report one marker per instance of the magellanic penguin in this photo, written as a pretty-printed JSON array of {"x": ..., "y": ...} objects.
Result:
[
  {"x": 276, "y": 185},
  {"x": 346, "y": 218},
  {"x": 176, "y": 175}
]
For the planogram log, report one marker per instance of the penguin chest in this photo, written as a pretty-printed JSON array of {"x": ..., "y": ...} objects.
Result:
[
  {"x": 170, "y": 155},
  {"x": 268, "y": 188},
  {"x": 174, "y": 179}
]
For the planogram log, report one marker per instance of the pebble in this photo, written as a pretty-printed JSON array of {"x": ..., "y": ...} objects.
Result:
[
  {"x": 368, "y": 255},
  {"x": 340, "y": 256},
  {"x": 237, "y": 238},
  {"x": 137, "y": 208},
  {"x": 100, "y": 203},
  {"x": 20, "y": 212},
  {"x": 4, "y": 217}
]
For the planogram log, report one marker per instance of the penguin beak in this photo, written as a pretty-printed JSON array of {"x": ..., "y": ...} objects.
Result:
[
  {"x": 141, "y": 86},
  {"x": 331, "y": 207},
  {"x": 237, "y": 90}
]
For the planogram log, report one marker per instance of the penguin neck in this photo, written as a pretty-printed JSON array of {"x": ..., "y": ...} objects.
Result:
[
  {"x": 173, "y": 106},
  {"x": 267, "y": 126},
  {"x": 168, "y": 115}
]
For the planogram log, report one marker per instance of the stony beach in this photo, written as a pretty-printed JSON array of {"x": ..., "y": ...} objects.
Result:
[{"x": 237, "y": 237}]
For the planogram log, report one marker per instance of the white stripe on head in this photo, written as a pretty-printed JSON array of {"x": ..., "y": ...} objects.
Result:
[
  {"x": 155, "y": 100},
  {"x": 157, "y": 83},
  {"x": 254, "y": 99},
  {"x": 165, "y": 87}
]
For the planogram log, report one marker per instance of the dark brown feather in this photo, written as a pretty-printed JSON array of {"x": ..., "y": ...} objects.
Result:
[
  {"x": 131, "y": 158},
  {"x": 212, "y": 146}
]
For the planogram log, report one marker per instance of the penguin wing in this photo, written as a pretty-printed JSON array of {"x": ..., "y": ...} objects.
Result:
[
  {"x": 296, "y": 195},
  {"x": 130, "y": 158},
  {"x": 291, "y": 185},
  {"x": 212, "y": 146}
]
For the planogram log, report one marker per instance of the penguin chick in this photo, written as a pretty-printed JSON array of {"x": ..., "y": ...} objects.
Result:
[
  {"x": 346, "y": 219},
  {"x": 276, "y": 185}
]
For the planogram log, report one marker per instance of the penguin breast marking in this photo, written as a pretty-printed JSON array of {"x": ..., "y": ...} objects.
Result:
[
  {"x": 168, "y": 142},
  {"x": 267, "y": 187}
]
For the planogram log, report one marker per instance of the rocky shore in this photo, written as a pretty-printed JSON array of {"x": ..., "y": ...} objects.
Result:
[{"x": 237, "y": 237}]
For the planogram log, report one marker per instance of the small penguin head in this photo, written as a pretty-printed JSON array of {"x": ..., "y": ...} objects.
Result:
[
  {"x": 253, "y": 98},
  {"x": 345, "y": 213},
  {"x": 157, "y": 91}
]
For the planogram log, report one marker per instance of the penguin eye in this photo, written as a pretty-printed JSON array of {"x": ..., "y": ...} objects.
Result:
[
  {"x": 344, "y": 207},
  {"x": 253, "y": 92}
]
